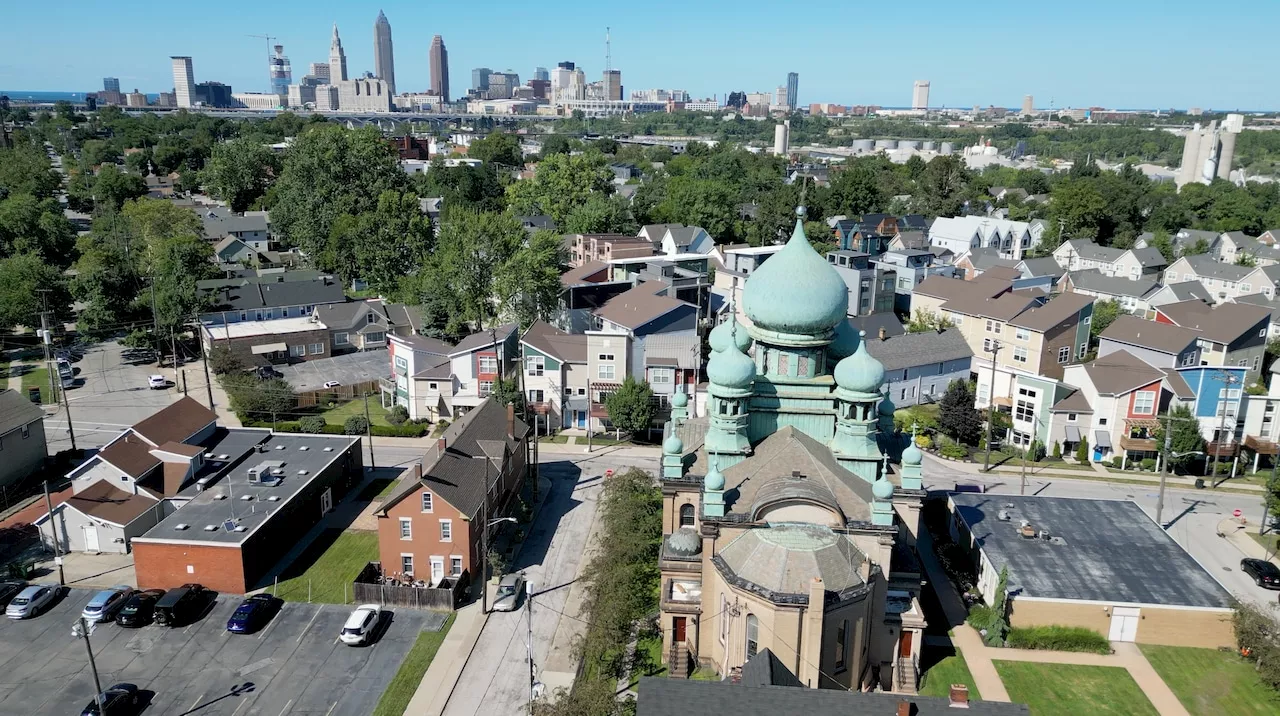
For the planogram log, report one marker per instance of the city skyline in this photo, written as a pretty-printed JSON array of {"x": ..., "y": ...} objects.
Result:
[{"x": 1071, "y": 68}]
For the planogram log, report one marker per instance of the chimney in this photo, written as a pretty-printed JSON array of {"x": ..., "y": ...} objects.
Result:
[
  {"x": 904, "y": 708},
  {"x": 441, "y": 444},
  {"x": 959, "y": 696},
  {"x": 511, "y": 420},
  {"x": 884, "y": 335}
]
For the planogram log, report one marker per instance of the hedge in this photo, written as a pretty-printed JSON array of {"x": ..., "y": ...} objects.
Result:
[
  {"x": 1059, "y": 638},
  {"x": 408, "y": 430}
]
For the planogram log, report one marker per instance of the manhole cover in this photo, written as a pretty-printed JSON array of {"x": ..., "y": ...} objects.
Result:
[{"x": 1226, "y": 569}]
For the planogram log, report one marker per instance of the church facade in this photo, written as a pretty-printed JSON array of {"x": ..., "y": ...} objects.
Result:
[{"x": 787, "y": 526}]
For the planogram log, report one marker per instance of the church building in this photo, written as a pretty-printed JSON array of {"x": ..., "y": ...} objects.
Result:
[{"x": 787, "y": 526}]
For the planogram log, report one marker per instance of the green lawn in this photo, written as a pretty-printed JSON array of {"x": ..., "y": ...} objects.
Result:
[
  {"x": 558, "y": 439},
  {"x": 395, "y": 700},
  {"x": 938, "y": 678},
  {"x": 338, "y": 415},
  {"x": 1073, "y": 690},
  {"x": 649, "y": 661},
  {"x": 38, "y": 377},
  {"x": 1269, "y": 540},
  {"x": 1210, "y": 682},
  {"x": 378, "y": 487},
  {"x": 328, "y": 566}
]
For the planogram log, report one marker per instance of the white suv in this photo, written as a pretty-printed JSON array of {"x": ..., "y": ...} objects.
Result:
[
  {"x": 157, "y": 382},
  {"x": 360, "y": 625}
]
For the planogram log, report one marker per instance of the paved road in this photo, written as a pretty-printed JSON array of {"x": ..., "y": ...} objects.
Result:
[
  {"x": 1191, "y": 516},
  {"x": 496, "y": 678}
]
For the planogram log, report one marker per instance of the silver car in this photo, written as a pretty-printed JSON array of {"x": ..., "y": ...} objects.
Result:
[
  {"x": 30, "y": 601},
  {"x": 105, "y": 604},
  {"x": 510, "y": 587}
]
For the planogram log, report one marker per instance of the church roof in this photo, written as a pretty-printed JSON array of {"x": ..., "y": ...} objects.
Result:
[{"x": 785, "y": 559}]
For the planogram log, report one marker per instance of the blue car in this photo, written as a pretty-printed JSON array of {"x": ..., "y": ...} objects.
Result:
[{"x": 253, "y": 613}]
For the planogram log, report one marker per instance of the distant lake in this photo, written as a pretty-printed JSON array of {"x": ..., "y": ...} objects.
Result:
[{"x": 31, "y": 96}]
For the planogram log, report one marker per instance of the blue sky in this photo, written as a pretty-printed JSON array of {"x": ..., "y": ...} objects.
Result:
[{"x": 1116, "y": 53}]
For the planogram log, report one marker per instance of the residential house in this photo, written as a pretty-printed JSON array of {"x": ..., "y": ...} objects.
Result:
[
  {"x": 736, "y": 266},
  {"x": 1262, "y": 419},
  {"x": 1184, "y": 240},
  {"x": 1129, "y": 294},
  {"x": 1231, "y": 334},
  {"x": 974, "y": 262},
  {"x": 1008, "y": 194},
  {"x": 919, "y": 366},
  {"x": 685, "y": 277},
  {"x": 583, "y": 290},
  {"x": 268, "y": 321},
  {"x": 585, "y": 248},
  {"x": 1223, "y": 281},
  {"x": 251, "y": 227},
  {"x": 1178, "y": 292},
  {"x": 1162, "y": 345},
  {"x": 1011, "y": 239},
  {"x": 555, "y": 378},
  {"x": 917, "y": 239},
  {"x": 1084, "y": 255},
  {"x": 929, "y": 295},
  {"x": 909, "y": 267},
  {"x": 1022, "y": 274},
  {"x": 430, "y": 525},
  {"x": 654, "y": 233},
  {"x": 871, "y": 288},
  {"x": 1265, "y": 280},
  {"x": 624, "y": 172},
  {"x": 680, "y": 239},
  {"x": 22, "y": 440},
  {"x": 870, "y": 233},
  {"x": 1234, "y": 246},
  {"x": 1271, "y": 304},
  {"x": 1124, "y": 394},
  {"x": 1221, "y": 409},
  {"x": 536, "y": 223},
  {"x": 1031, "y": 410},
  {"x": 434, "y": 380},
  {"x": 1040, "y": 267},
  {"x": 359, "y": 325},
  {"x": 232, "y": 250}
]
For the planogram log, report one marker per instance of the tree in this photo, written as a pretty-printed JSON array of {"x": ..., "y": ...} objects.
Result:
[
  {"x": 507, "y": 392},
  {"x": 555, "y": 144},
  {"x": 355, "y": 425},
  {"x": 630, "y": 409},
  {"x": 178, "y": 263},
  {"x": 1104, "y": 314},
  {"x": 223, "y": 360},
  {"x": 1057, "y": 450},
  {"x": 854, "y": 191},
  {"x": 563, "y": 183},
  {"x": 461, "y": 275},
  {"x": 260, "y": 399},
  {"x": 382, "y": 245},
  {"x": 29, "y": 285},
  {"x": 239, "y": 172},
  {"x": 1078, "y": 210},
  {"x": 398, "y": 415},
  {"x": 1082, "y": 452},
  {"x": 497, "y": 148},
  {"x": 957, "y": 418},
  {"x": 1161, "y": 242},
  {"x": 600, "y": 215},
  {"x": 28, "y": 224},
  {"x": 25, "y": 169},
  {"x": 528, "y": 284},
  {"x": 709, "y": 203},
  {"x": 943, "y": 185},
  {"x": 113, "y": 188},
  {"x": 925, "y": 320},
  {"x": 1185, "y": 436}
]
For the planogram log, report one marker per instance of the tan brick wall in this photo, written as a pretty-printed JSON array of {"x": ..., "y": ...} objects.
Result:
[
  {"x": 1157, "y": 625},
  {"x": 164, "y": 566}
]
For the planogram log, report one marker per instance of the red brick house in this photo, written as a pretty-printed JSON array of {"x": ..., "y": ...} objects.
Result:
[{"x": 429, "y": 527}]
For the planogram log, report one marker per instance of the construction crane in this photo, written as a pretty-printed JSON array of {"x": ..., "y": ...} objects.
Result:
[{"x": 268, "y": 38}]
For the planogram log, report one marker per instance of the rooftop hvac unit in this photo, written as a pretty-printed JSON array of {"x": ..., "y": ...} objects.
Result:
[
  {"x": 220, "y": 496},
  {"x": 210, "y": 528},
  {"x": 304, "y": 448},
  {"x": 279, "y": 447},
  {"x": 273, "y": 498},
  {"x": 1003, "y": 515},
  {"x": 328, "y": 449},
  {"x": 208, "y": 456},
  {"x": 181, "y": 526},
  {"x": 1024, "y": 523},
  {"x": 203, "y": 483},
  {"x": 246, "y": 498},
  {"x": 240, "y": 528},
  {"x": 302, "y": 472},
  {"x": 1044, "y": 534},
  {"x": 223, "y": 456}
]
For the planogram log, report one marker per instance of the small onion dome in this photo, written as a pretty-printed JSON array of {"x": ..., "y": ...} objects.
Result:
[
  {"x": 731, "y": 368},
  {"x": 726, "y": 333},
  {"x": 886, "y": 407},
  {"x": 679, "y": 400},
  {"x": 912, "y": 455},
  {"x": 845, "y": 341},
  {"x": 673, "y": 445},
  {"x": 860, "y": 373},
  {"x": 684, "y": 541},
  {"x": 882, "y": 489},
  {"x": 713, "y": 481}
]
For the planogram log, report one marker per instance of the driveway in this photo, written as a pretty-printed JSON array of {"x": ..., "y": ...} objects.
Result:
[
  {"x": 295, "y": 665},
  {"x": 349, "y": 369}
]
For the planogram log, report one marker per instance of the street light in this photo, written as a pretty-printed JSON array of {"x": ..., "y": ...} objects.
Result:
[
  {"x": 81, "y": 629},
  {"x": 991, "y": 403},
  {"x": 484, "y": 558}
]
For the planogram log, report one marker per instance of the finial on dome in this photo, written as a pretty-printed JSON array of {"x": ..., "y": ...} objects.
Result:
[
  {"x": 862, "y": 334},
  {"x": 914, "y": 426},
  {"x": 801, "y": 212}
]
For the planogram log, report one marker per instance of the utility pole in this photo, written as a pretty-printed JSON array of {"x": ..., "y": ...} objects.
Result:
[
  {"x": 1228, "y": 380},
  {"x": 83, "y": 629},
  {"x": 1023, "y": 489},
  {"x": 71, "y": 430},
  {"x": 590, "y": 402},
  {"x": 484, "y": 542},
  {"x": 991, "y": 404},
  {"x": 204, "y": 357},
  {"x": 528, "y": 613},
  {"x": 47, "y": 338},
  {"x": 53, "y": 531},
  {"x": 368, "y": 431},
  {"x": 1164, "y": 469}
]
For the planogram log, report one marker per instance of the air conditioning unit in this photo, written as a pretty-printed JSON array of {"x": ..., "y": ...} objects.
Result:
[
  {"x": 240, "y": 528},
  {"x": 304, "y": 448},
  {"x": 1003, "y": 515},
  {"x": 203, "y": 483},
  {"x": 273, "y": 498},
  {"x": 246, "y": 498}
]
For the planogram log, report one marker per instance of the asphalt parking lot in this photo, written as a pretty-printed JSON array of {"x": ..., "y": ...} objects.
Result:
[
  {"x": 347, "y": 369},
  {"x": 295, "y": 665}
]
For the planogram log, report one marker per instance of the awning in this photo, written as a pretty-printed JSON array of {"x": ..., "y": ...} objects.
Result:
[
  {"x": 1102, "y": 439},
  {"x": 1073, "y": 434},
  {"x": 269, "y": 348}
]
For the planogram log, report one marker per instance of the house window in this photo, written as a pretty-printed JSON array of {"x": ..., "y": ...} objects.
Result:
[
  {"x": 406, "y": 528},
  {"x": 1020, "y": 354},
  {"x": 753, "y": 635},
  {"x": 446, "y": 530},
  {"x": 372, "y": 318},
  {"x": 486, "y": 387},
  {"x": 455, "y": 565},
  {"x": 375, "y": 337},
  {"x": 662, "y": 376},
  {"x": 1246, "y": 287},
  {"x": 488, "y": 364},
  {"x": 341, "y": 339},
  {"x": 433, "y": 386},
  {"x": 534, "y": 365},
  {"x": 1071, "y": 417},
  {"x": 427, "y": 505},
  {"x": 1022, "y": 334},
  {"x": 686, "y": 515},
  {"x": 284, "y": 312},
  {"x": 406, "y": 563},
  {"x": 1024, "y": 411},
  {"x": 1084, "y": 349},
  {"x": 535, "y": 396},
  {"x": 1257, "y": 363},
  {"x": 316, "y": 348},
  {"x": 1102, "y": 421},
  {"x": 297, "y": 351},
  {"x": 1144, "y": 402},
  {"x": 1187, "y": 276},
  {"x": 605, "y": 370},
  {"x": 841, "y": 637},
  {"x": 724, "y": 618},
  {"x": 1064, "y": 354},
  {"x": 244, "y": 316}
]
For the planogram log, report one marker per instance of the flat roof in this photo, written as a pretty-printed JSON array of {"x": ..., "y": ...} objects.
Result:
[
  {"x": 224, "y": 498},
  {"x": 1102, "y": 550},
  {"x": 249, "y": 329},
  {"x": 756, "y": 250}
]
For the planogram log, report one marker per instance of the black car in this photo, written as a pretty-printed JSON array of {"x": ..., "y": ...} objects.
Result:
[
  {"x": 253, "y": 613},
  {"x": 116, "y": 700},
  {"x": 140, "y": 609},
  {"x": 9, "y": 590},
  {"x": 1265, "y": 574},
  {"x": 182, "y": 605}
]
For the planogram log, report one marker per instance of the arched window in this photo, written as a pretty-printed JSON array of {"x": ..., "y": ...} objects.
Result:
[
  {"x": 753, "y": 635},
  {"x": 686, "y": 515}
]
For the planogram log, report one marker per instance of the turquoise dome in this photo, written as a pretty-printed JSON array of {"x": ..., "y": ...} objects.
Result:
[
  {"x": 679, "y": 400},
  {"x": 886, "y": 407},
  {"x": 796, "y": 291},
  {"x": 713, "y": 481},
  {"x": 673, "y": 445},
  {"x": 845, "y": 341},
  {"x": 731, "y": 368},
  {"x": 722, "y": 334},
  {"x": 912, "y": 455},
  {"x": 882, "y": 489},
  {"x": 860, "y": 373}
]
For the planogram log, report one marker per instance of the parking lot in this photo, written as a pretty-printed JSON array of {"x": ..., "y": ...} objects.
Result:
[
  {"x": 295, "y": 665},
  {"x": 348, "y": 369}
]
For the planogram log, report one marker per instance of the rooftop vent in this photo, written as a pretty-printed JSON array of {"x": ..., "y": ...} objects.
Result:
[
  {"x": 181, "y": 526},
  {"x": 273, "y": 498},
  {"x": 219, "y": 496},
  {"x": 223, "y": 456},
  {"x": 328, "y": 449},
  {"x": 304, "y": 448},
  {"x": 1003, "y": 515},
  {"x": 1044, "y": 534},
  {"x": 279, "y": 447},
  {"x": 208, "y": 456},
  {"x": 1057, "y": 540},
  {"x": 1024, "y": 523},
  {"x": 246, "y": 498},
  {"x": 240, "y": 528},
  {"x": 302, "y": 472},
  {"x": 210, "y": 528}
]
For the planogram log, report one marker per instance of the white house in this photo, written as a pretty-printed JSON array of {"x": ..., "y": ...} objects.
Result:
[
  {"x": 1223, "y": 281},
  {"x": 1083, "y": 255},
  {"x": 1010, "y": 238}
]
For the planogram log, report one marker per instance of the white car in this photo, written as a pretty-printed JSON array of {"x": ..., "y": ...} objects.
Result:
[
  {"x": 30, "y": 601},
  {"x": 157, "y": 381},
  {"x": 332, "y": 384},
  {"x": 360, "y": 625}
]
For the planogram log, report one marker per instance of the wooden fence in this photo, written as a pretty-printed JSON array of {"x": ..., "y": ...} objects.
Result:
[
  {"x": 366, "y": 590},
  {"x": 339, "y": 394}
]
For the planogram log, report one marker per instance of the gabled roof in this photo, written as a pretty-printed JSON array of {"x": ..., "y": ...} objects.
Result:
[
  {"x": 426, "y": 344},
  {"x": 764, "y": 669},
  {"x": 401, "y": 314},
  {"x": 16, "y": 411},
  {"x": 1120, "y": 373},
  {"x": 579, "y": 275},
  {"x": 1186, "y": 290},
  {"x": 1149, "y": 257},
  {"x": 1087, "y": 249},
  {"x": 985, "y": 259},
  {"x": 106, "y": 502},
  {"x": 130, "y": 455},
  {"x": 872, "y": 323},
  {"x": 484, "y": 339},
  {"x": 1074, "y": 403},
  {"x": 637, "y": 306},
  {"x": 351, "y": 314},
  {"x": 1094, "y": 280},
  {"x": 570, "y": 348},
  {"x": 1043, "y": 266},
  {"x": 1223, "y": 323},
  {"x": 947, "y": 288},
  {"x": 661, "y": 696},
  {"x": 1205, "y": 265},
  {"x": 1160, "y": 337},
  {"x": 176, "y": 422},
  {"x": 440, "y": 370},
  {"x": 917, "y": 349},
  {"x": 1003, "y": 308},
  {"x": 246, "y": 295},
  {"x": 1057, "y": 310}
]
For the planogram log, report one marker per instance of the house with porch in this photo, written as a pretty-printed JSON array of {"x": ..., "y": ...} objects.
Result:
[
  {"x": 434, "y": 380},
  {"x": 555, "y": 378}
]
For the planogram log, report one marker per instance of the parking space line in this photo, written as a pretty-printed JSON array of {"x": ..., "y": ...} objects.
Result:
[
  {"x": 196, "y": 703},
  {"x": 331, "y": 708},
  {"x": 274, "y": 621},
  {"x": 287, "y": 704},
  {"x": 242, "y": 703},
  {"x": 308, "y": 626}
]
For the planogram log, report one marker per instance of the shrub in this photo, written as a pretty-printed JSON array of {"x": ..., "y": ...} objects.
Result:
[
  {"x": 1149, "y": 464},
  {"x": 1223, "y": 468},
  {"x": 1057, "y": 450},
  {"x": 990, "y": 619},
  {"x": 1035, "y": 451},
  {"x": 356, "y": 425},
  {"x": 953, "y": 450},
  {"x": 311, "y": 424},
  {"x": 1082, "y": 452},
  {"x": 923, "y": 442},
  {"x": 1059, "y": 638},
  {"x": 397, "y": 415},
  {"x": 1117, "y": 462},
  {"x": 409, "y": 430}
]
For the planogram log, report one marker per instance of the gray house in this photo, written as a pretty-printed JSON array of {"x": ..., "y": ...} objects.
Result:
[
  {"x": 22, "y": 442},
  {"x": 1159, "y": 344},
  {"x": 919, "y": 366}
]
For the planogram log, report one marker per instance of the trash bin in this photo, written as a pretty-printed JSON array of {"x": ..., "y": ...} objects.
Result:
[
  {"x": 1199, "y": 483},
  {"x": 33, "y": 394}
]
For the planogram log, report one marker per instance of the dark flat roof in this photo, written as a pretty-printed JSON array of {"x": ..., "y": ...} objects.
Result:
[
  {"x": 1110, "y": 551},
  {"x": 664, "y": 696}
]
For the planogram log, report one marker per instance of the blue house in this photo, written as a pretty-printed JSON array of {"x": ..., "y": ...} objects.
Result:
[{"x": 1217, "y": 405}]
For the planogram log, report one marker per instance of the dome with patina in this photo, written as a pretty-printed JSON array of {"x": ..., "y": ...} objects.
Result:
[
  {"x": 726, "y": 333},
  {"x": 731, "y": 368},
  {"x": 796, "y": 291},
  {"x": 845, "y": 341},
  {"x": 860, "y": 372},
  {"x": 713, "y": 481},
  {"x": 673, "y": 445},
  {"x": 886, "y": 407},
  {"x": 679, "y": 400},
  {"x": 882, "y": 489},
  {"x": 684, "y": 542}
]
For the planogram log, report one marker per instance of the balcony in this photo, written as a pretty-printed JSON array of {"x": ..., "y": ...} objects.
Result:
[
  {"x": 682, "y": 595},
  {"x": 1222, "y": 449},
  {"x": 1140, "y": 435},
  {"x": 1138, "y": 444},
  {"x": 1261, "y": 446}
]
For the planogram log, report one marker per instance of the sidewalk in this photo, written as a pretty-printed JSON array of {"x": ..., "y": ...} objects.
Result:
[
  {"x": 442, "y": 676},
  {"x": 1237, "y": 534},
  {"x": 1098, "y": 471},
  {"x": 619, "y": 450}
]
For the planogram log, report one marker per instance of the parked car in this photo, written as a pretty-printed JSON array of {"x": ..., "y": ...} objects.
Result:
[
  {"x": 9, "y": 590},
  {"x": 30, "y": 601},
  {"x": 104, "y": 605},
  {"x": 360, "y": 625},
  {"x": 157, "y": 382},
  {"x": 253, "y": 613},
  {"x": 116, "y": 699},
  {"x": 510, "y": 587},
  {"x": 140, "y": 609},
  {"x": 1264, "y": 573},
  {"x": 182, "y": 605}
]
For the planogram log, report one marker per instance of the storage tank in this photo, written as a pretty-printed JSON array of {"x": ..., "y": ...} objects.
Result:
[
  {"x": 908, "y": 144},
  {"x": 929, "y": 146},
  {"x": 889, "y": 144},
  {"x": 946, "y": 148},
  {"x": 863, "y": 145},
  {"x": 990, "y": 151}
]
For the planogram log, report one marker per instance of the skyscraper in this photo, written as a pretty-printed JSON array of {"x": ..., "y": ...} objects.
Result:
[
  {"x": 920, "y": 95},
  {"x": 480, "y": 78},
  {"x": 319, "y": 71},
  {"x": 793, "y": 89},
  {"x": 281, "y": 72},
  {"x": 384, "y": 63},
  {"x": 439, "y": 57},
  {"x": 541, "y": 74},
  {"x": 337, "y": 58},
  {"x": 110, "y": 84},
  {"x": 613, "y": 84},
  {"x": 184, "y": 81}
]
